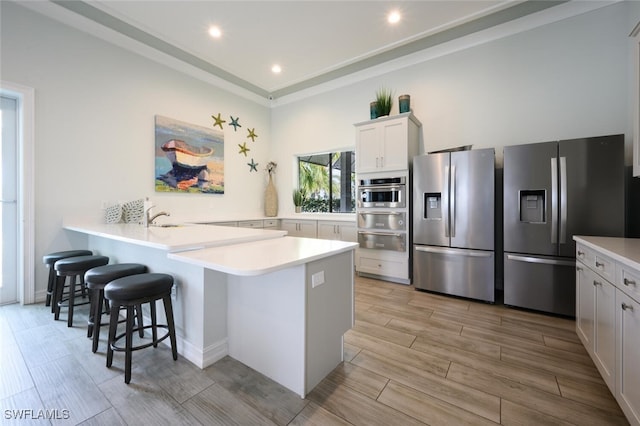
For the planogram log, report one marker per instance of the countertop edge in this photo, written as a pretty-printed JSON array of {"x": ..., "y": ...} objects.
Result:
[{"x": 622, "y": 258}]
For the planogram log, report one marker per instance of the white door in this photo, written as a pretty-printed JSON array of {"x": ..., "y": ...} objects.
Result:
[{"x": 8, "y": 204}]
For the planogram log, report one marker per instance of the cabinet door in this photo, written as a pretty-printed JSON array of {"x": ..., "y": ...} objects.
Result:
[
  {"x": 605, "y": 336},
  {"x": 308, "y": 229},
  {"x": 291, "y": 226},
  {"x": 368, "y": 148},
  {"x": 628, "y": 347},
  {"x": 585, "y": 306},
  {"x": 349, "y": 233},
  {"x": 328, "y": 230},
  {"x": 393, "y": 147}
]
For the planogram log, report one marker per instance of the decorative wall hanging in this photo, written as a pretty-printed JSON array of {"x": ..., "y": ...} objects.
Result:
[
  {"x": 218, "y": 121},
  {"x": 234, "y": 123},
  {"x": 243, "y": 149},
  {"x": 252, "y": 134},
  {"x": 253, "y": 166},
  {"x": 188, "y": 158}
]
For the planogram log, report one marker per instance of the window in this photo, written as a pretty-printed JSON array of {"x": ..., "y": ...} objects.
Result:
[{"x": 328, "y": 181}]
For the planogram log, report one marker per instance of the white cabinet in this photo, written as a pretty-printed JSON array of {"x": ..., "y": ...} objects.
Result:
[
  {"x": 628, "y": 362},
  {"x": 250, "y": 224},
  {"x": 635, "y": 34},
  {"x": 386, "y": 144},
  {"x": 331, "y": 230},
  {"x": 595, "y": 310},
  {"x": 299, "y": 227},
  {"x": 608, "y": 314}
]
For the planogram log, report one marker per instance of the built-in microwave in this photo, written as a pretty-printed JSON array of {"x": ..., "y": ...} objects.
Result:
[{"x": 382, "y": 192}]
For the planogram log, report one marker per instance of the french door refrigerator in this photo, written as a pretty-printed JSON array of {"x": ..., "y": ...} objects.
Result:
[
  {"x": 553, "y": 191},
  {"x": 453, "y": 232}
]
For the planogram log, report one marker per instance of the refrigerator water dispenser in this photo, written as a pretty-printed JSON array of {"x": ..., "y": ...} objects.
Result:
[
  {"x": 532, "y": 206},
  {"x": 433, "y": 205}
]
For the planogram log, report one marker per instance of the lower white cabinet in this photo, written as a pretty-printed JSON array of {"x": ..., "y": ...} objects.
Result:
[
  {"x": 628, "y": 360},
  {"x": 300, "y": 227},
  {"x": 608, "y": 314},
  {"x": 337, "y": 231}
]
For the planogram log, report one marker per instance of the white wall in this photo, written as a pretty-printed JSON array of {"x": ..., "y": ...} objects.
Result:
[
  {"x": 94, "y": 138},
  {"x": 563, "y": 80},
  {"x": 95, "y": 105}
]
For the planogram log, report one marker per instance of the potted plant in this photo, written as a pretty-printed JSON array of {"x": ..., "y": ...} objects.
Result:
[
  {"x": 384, "y": 101},
  {"x": 298, "y": 198}
]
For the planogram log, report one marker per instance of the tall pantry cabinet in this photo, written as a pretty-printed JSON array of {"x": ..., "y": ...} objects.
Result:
[{"x": 385, "y": 148}]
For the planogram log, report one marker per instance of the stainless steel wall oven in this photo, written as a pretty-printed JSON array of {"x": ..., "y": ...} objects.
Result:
[{"x": 383, "y": 222}]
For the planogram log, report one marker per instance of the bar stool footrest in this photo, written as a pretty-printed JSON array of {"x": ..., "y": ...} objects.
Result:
[{"x": 146, "y": 345}]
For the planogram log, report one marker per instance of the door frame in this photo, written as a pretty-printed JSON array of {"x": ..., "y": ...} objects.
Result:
[{"x": 26, "y": 223}]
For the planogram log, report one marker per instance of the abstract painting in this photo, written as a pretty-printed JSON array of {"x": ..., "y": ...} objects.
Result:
[{"x": 188, "y": 158}]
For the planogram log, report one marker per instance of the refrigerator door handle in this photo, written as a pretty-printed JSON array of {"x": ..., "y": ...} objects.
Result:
[
  {"x": 554, "y": 200},
  {"x": 529, "y": 259},
  {"x": 563, "y": 200},
  {"x": 438, "y": 250},
  {"x": 445, "y": 201},
  {"x": 452, "y": 203}
]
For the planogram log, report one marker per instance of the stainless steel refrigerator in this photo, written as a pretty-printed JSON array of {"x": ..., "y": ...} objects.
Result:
[
  {"x": 453, "y": 223},
  {"x": 553, "y": 191}
]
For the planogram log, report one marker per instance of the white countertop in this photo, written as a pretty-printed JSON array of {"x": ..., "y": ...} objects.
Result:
[
  {"x": 261, "y": 257},
  {"x": 208, "y": 218},
  {"x": 624, "y": 250},
  {"x": 187, "y": 237}
]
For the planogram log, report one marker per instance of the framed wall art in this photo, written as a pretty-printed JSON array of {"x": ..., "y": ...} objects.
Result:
[{"x": 188, "y": 158}]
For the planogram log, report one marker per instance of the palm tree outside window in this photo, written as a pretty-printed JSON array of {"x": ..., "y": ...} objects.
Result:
[{"x": 328, "y": 179}]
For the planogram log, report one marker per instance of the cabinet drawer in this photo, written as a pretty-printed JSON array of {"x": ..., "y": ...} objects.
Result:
[
  {"x": 387, "y": 268},
  {"x": 629, "y": 281},
  {"x": 601, "y": 264},
  {"x": 250, "y": 224},
  {"x": 270, "y": 223}
]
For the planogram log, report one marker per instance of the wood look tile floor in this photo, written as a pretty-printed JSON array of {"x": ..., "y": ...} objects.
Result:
[{"x": 412, "y": 358}]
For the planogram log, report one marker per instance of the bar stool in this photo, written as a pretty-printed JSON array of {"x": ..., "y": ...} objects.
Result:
[
  {"x": 96, "y": 279},
  {"x": 49, "y": 260},
  {"x": 135, "y": 290},
  {"x": 72, "y": 267}
]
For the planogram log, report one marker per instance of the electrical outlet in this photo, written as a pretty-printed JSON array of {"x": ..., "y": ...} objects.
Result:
[
  {"x": 317, "y": 279},
  {"x": 174, "y": 292}
]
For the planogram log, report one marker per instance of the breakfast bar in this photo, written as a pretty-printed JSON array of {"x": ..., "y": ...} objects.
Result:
[{"x": 275, "y": 303}]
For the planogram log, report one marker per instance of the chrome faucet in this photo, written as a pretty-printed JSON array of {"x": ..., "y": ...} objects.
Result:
[{"x": 149, "y": 219}]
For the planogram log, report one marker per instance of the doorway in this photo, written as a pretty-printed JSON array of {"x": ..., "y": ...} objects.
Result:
[
  {"x": 17, "y": 267},
  {"x": 9, "y": 201}
]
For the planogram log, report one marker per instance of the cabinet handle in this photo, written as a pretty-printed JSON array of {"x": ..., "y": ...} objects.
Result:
[
  {"x": 596, "y": 283},
  {"x": 377, "y": 162},
  {"x": 625, "y": 307},
  {"x": 599, "y": 265},
  {"x": 580, "y": 253},
  {"x": 381, "y": 161},
  {"x": 627, "y": 281}
]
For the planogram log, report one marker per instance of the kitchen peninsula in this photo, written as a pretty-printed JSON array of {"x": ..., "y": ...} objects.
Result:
[{"x": 278, "y": 304}]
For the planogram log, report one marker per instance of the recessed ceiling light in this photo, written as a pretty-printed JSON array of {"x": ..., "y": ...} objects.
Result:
[
  {"x": 215, "y": 32},
  {"x": 276, "y": 69},
  {"x": 393, "y": 17}
]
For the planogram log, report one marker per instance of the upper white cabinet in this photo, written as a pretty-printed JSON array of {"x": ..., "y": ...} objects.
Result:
[
  {"x": 386, "y": 143},
  {"x": 635, "y": 36}
]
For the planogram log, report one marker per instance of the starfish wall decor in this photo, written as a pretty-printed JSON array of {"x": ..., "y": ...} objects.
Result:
[
  {"x": 243, "y": 149},
  {"x": 253, "y": 166},
  {"x": 218, "y": 120}
]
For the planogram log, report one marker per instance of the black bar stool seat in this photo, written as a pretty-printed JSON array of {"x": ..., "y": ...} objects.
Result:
[
  {"x": 129, "y": 292},
  {"x": 96, "y": 279},
  {"x": 49, "y": 260},
  {"x": 73, "y": 267}
]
